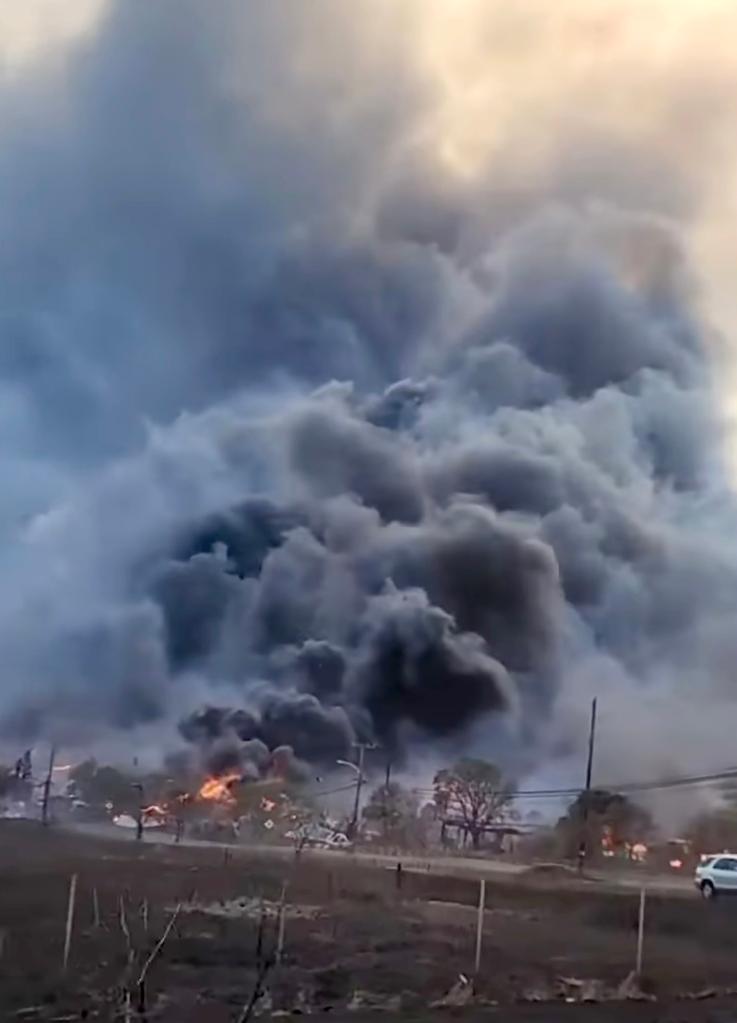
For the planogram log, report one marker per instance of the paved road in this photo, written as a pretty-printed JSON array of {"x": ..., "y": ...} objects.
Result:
[{"x": 449, "y": 866}]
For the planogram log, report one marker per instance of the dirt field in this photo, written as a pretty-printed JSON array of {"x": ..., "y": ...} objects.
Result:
[{"x": 354, "y": 942}]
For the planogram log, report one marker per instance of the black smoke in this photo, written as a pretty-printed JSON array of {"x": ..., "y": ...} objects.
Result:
[
  {"x": 278, "y": 739},
  {"x": 313, "y": 442}
]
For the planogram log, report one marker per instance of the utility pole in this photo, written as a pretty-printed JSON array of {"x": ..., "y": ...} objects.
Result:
[
  {"x": 47, "y": 788},
  {"x": 386, "y": 796},
  {"x": 358, "y": 771},
  {"x": 359, "y": 783},
  {"x": 585, "y": 809},
  {"x": 139, "y": 812}
]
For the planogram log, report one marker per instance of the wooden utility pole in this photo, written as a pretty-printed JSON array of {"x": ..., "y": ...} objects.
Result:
[
  {"x": 47, "y": 788},
  {"x": 386, "y": 797},
  {"x": 587, "y": 790},
  {"x": 358, "y": 768},
  {"x": 139, "y": 812},
  {"x": 359, "y": 782}
]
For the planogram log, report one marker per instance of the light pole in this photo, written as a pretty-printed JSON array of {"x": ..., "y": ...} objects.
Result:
[{"x": 358, "y": 770}]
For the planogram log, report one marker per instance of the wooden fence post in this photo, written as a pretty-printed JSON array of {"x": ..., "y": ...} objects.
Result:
[
  {"x": 70, "y": 919},
  {"x": 640, "y": 933},
  {"x": 480, "y": 923}
]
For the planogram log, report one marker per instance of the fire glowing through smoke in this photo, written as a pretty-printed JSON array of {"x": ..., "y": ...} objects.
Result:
[{"x": 218, "y": 790}]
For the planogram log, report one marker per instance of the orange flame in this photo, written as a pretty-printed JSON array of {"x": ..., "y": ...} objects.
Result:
[{"x": 218, "y": 789}]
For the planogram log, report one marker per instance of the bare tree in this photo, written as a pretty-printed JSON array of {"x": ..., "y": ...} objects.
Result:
[{"x": 474, "y": 794}]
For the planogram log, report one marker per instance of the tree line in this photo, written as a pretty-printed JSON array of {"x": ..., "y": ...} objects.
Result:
[{"x": 470, "y": 803}]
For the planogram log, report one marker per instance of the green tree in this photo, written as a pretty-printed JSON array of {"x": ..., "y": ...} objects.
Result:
[{"x": 474, "y": 793}]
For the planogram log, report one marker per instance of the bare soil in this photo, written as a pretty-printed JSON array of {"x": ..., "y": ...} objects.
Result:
[{"x": 355, "y": 942}]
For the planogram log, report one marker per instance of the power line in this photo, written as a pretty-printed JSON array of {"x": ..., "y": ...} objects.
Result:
[
  {"x": 634, "y": 786},
  {"x": 329, "y": 792},
  {"x": 725, "y": 775},
  {"x": 676, "y": 782}
]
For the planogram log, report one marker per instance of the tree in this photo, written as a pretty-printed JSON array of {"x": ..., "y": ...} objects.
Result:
[
  {"x": 474, "y": 794},
  {"x": 98, "y": 786},
  {"x": 393, "y": 807},
  {"x": 7, "y": 777},
  {"x": 714, "y": 830},
  {"x": 605, "y": 817}
]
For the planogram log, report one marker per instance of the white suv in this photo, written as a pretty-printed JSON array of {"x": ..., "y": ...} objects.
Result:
[{"x": 717, "y": 875}]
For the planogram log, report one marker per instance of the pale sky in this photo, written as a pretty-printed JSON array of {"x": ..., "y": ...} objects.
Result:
[{"x": 31, "y": 30}]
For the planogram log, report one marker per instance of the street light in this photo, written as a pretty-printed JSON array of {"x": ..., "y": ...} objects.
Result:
[{"x": 358, "y": 770}]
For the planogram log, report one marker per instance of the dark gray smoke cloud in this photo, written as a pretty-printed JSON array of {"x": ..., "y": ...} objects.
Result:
[
  {"x": 241, "y": 744},
  {"x": 309, "y": 434}
]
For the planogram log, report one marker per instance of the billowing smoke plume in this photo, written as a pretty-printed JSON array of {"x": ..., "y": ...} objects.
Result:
[
  {"x": 328, "y": 419},
  {"x": 235, "y": 742}
]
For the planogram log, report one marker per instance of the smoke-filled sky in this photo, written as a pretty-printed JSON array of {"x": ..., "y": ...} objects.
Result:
[{"x": 366, "y": 372}]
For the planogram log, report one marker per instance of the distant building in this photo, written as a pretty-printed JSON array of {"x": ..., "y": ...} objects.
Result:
[{"x": 501, "y": 836}]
